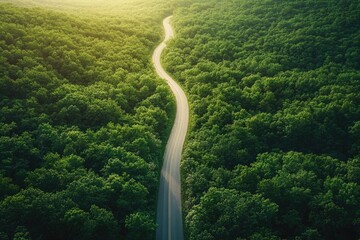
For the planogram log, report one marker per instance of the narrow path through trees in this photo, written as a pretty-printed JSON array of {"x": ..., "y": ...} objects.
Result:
[{"x": 169, "y": 216}]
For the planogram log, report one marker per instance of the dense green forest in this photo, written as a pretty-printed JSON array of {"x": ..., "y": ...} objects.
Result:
[
  {"x": 274, "y": 146},
  {"x": 83, "y": 121}
]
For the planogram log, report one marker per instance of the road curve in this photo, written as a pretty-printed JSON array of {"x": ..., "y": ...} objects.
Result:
[{"x": 169, "y": 215}]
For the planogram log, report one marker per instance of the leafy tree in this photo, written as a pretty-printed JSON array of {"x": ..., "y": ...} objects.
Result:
[
  {"x": 141, "y": 226},
  {"x": 228, "y": 215}
]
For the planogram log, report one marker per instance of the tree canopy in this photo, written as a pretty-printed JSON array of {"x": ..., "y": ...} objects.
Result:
[
  {"x": 273, "y": 149},
  {"x": 83, "y": 121}
]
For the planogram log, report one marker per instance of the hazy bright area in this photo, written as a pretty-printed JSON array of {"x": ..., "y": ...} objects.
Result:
[
  {"x": 83, "y": 119},
  {"x": 136, "y": 8}
]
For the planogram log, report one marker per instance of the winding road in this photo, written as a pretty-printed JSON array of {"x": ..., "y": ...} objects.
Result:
[{"x": 169, "y": 215}]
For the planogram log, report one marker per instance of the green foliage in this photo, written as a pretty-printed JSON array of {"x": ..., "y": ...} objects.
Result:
[
  {"x": 140, "y": 225},
  {"x": 226, "y": 214},
  {"x": 83, "y": 119},
  {"x": 274, "y": 93}
]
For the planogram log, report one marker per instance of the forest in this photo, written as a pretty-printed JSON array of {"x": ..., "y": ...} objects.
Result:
[
  {"x": 273, "y": 150},
  {"x": 83, "y": 122}
]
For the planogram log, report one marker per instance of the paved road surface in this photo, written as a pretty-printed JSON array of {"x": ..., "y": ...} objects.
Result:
[{"x": 169, "y": 217}]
